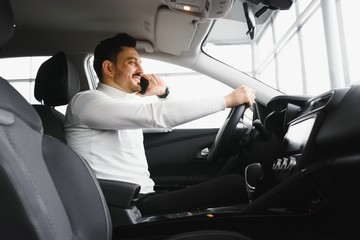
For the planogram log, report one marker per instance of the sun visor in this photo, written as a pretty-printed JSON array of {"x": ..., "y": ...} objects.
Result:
[{"x": 174, "y": 31}]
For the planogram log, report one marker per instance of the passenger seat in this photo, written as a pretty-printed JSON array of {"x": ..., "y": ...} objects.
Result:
[{"x": 57, "y": 81}]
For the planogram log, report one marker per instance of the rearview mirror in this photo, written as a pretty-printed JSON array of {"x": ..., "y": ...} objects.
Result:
[{"x": 250, "y": 20}]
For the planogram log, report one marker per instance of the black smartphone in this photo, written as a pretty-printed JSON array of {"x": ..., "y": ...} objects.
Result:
[{"x": 144, "y": 83}]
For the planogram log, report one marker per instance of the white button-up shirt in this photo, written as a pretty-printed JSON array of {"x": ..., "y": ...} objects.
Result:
[{"x": 104, "y": 126}]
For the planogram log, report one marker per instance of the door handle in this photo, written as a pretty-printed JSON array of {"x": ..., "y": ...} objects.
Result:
[{"x": 205, "y": 152}]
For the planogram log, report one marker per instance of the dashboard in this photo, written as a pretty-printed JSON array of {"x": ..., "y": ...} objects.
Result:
[
  {"x": 312, "y": 128},
  {"x": 311, "y": 163},
  {"x": 295, "y": 141}
]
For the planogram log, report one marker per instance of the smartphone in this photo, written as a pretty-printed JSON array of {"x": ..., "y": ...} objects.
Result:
[{"x": 144, "y": 83}]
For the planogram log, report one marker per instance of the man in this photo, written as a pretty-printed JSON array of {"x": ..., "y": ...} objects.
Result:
[{"x": 104, "y": 126}]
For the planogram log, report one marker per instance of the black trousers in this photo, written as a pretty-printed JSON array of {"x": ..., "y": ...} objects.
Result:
[{"x": 220, "y": 191}]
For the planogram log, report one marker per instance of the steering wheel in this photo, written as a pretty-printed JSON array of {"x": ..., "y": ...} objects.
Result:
[{"x": 223, "y": 136}]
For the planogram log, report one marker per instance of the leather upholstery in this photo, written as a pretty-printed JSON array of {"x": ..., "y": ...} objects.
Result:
[
  {"x": 53, "y": 121},
  {"x": 51, "y": 193},
  {"x": 47, "y": 191},
  {"x": 57, "y": 81}
]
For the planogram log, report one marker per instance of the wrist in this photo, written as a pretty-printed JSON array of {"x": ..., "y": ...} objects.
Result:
[
  {"x": 227, "y": 101},
  {"x": 166, "y": 93}
]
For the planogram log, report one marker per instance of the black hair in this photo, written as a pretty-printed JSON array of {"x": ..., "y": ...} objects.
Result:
[{"x": 109, "y": 48}]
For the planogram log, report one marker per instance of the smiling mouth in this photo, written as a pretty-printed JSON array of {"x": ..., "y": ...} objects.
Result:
[{"x": 137, "y": 75}]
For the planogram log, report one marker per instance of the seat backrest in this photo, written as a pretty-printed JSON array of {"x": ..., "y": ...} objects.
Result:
[
  {"x": 46, "y": 190},
  {"x": 57, "y": 81}
]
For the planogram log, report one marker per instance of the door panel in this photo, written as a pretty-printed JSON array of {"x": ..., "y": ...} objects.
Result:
[{"x": 174, "y": 157}]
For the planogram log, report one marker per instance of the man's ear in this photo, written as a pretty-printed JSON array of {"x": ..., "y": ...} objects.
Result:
[{"x": 107, "y": 67}]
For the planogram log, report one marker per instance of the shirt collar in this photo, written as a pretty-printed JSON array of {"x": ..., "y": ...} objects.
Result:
[{"x": 114, "y": 92}]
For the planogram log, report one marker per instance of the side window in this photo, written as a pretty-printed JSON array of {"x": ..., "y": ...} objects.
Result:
[
  {"x": 185, "y": 83},
  {"x": 21, "y": 73}
]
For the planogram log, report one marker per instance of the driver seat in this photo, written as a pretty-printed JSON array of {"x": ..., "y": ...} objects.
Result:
[{"x": 56, "y": 82}]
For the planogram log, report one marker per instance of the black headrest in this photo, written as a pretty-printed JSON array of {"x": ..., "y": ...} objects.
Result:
[
  {"x": 57, "y": 81},
  {"x": 12, "y": 101},
  {"x": 6, "y": 22}
]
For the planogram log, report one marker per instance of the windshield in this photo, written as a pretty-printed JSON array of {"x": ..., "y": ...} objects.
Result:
[{"x": 305, "y": 50}]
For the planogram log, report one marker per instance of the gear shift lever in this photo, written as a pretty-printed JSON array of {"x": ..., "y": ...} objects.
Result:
[{"x": 253, "y": 175}]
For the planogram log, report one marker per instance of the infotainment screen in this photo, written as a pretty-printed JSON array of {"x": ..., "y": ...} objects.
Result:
[{"x": 298, "y": 134}]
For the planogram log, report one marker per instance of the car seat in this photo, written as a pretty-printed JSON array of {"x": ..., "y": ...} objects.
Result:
[{"x": 56, "y": 82}]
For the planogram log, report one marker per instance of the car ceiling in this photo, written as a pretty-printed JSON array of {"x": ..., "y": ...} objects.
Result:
[
  {"x": 44, "y": 27},
  {"x": 77, "y": 26}
]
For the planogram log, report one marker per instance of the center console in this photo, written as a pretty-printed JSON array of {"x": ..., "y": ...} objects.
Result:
[{"x": 294, "y": 141}]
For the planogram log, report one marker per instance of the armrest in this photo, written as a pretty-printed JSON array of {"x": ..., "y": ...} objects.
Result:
[{"x": 119, "y": 194}]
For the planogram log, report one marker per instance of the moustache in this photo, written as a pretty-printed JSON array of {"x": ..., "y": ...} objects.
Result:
[{"x": 137, "y": 75}]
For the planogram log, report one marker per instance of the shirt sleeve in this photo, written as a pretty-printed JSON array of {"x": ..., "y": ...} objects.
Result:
[{"x": 99, "y": 111}]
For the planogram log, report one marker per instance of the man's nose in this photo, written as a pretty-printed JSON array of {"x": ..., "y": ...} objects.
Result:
[{"x": 140, "y": 69}]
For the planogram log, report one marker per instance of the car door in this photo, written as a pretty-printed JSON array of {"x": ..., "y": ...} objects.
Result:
[{"x": 178, "y": 158}]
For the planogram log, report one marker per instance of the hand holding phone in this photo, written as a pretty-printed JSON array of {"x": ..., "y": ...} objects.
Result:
[{"x": 157, "y": 86}]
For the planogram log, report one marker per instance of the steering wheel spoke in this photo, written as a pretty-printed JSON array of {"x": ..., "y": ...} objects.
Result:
[{"x": 224, "y": 135}]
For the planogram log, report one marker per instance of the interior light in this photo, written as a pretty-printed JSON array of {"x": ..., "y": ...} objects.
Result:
[{"x": 186, "y": 8}]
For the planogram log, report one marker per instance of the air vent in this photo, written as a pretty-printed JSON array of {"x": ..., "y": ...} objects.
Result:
[
  {"x": 321, "y": 102},
  {"x": 315, "y": 104}
]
